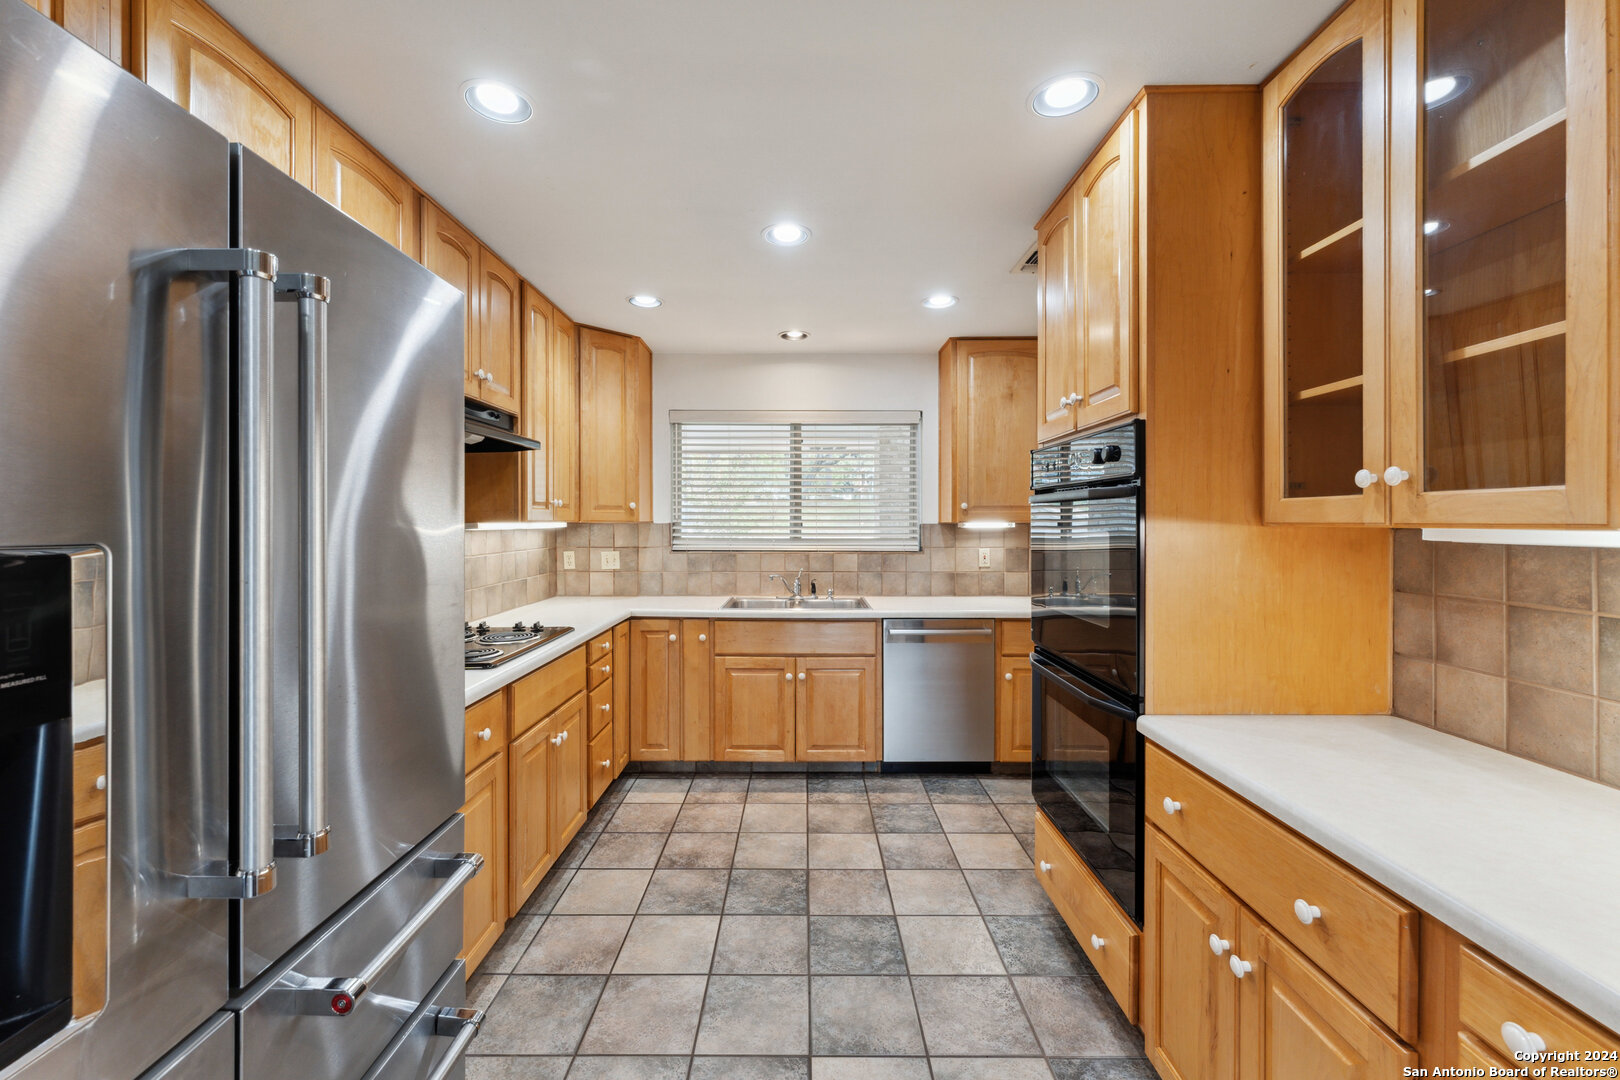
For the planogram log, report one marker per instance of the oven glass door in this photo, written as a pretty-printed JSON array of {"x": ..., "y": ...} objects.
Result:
[
  {"x": 1084, "y": 567},
  {"x": 1087, "y": 777}
]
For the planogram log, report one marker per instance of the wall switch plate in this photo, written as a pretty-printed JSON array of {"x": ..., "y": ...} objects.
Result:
[
  {"x": 984, "y": 558},
  {"x": 610, "y": 560},
  {"x": 568, "y": 560}
]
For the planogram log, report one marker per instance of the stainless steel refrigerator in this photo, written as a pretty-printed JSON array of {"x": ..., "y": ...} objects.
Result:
[{"x": 247, "y": 409}]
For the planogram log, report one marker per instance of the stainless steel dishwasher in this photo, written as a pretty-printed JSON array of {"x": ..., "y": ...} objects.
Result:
[{"x": 939, "y": 690}]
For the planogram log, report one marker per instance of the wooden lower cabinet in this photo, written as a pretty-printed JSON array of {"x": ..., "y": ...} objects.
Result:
[
  {"x": 569, "y": 767},
  {"x": 548, "y": 794},
  {"x": 655, "y": 690},
  {"x": 89, "y": 918},
  {"x": 835, "y": 708},
  {"x": 483, "y": 901},
  {"x": 599, "y": 764},
  {"x": 621, "y": 699},
  {"x": 1015, "y": 683},
  {"x": 753, "y": 708}
]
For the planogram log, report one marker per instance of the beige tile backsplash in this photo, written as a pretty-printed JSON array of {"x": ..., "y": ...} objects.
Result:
[
  {"x": 1515, "y": 647},
  {"x": 507, "y": 568}
]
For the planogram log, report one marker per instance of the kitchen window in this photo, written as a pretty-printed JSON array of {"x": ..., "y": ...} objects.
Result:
[{"x": 790, "y": 481}]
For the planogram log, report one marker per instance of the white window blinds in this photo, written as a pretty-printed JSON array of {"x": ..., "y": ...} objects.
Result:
[{"x": 747, "y": 481}]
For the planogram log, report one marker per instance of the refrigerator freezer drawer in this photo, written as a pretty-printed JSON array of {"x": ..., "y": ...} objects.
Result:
[
  {"x": 209, "y": 1053},
  {"x": 434, "y": 1041},
  {"x": 330, "y": 1010}
]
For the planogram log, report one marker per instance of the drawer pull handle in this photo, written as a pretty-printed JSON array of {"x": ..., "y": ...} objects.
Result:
[
  {"x": 1521, "y": 1042},
  {"x": 556, "y": 740},
  {"x": 1046, "y": 867},
  {"x": 606, "y": 763},
  {"x": 486, "y": 734},
  {"x": 606, "y": 668},
  {"x": 1097, "y": 942},
  {"x": 101, "y": 782},
  {"x": 1306, "y": 913},
  {"x": 605, "y": 707},
  {"x": 1239, "y": 968},
  {"x": 1219, "y": 945},
  {"x": 1170, "y": 805},
  {"x": 607, "y": 644}
]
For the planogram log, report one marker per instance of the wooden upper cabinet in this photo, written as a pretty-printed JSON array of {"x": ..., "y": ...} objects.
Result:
[
  {"x": 98, "y": 23},
  {"x": 1105, "y": 262},
  {"x": 655, "y": 689},
  {"x": 359, "y": 181},
  {"x": 753, "y": 708},
  {"x": 198, "y": 61},
  {"x": 1323, "y": 235},
  {"x": 500, "y": 302},
  {"x": 835, "y": 708},
  {"x": 987, "y": 427},
  {"x": 615, "y": 427},
  {"x": 450, "y": 250},
  {"x": 562, "y": 451},
  {"x": 538, "y": 319},
  {"x": 1501, "y": 272},
  {"x": 1058, "y": 318}
]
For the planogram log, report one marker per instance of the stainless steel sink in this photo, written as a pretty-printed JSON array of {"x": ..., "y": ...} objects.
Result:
[{"x": 788, "y": 603}]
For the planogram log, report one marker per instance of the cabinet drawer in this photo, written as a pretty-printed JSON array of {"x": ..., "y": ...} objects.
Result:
[
  {"x": 599, "y": 764},
  {"x": 1091, "y": 913},
  {"x": 1013, "y": 637},
  {"x": 1491, "y": 998},
  {"x": 768, "y": 637},
  {"x": 89, "y": 771},
  {"x": 601, "y": 668},
  {"x": 599, "y": 707},
  {"x": 600, "y": 646},
  {"x": 537, "y": 696},
  {"x": 1360, "y": 935},
  {"x": 486, "y": 730}
]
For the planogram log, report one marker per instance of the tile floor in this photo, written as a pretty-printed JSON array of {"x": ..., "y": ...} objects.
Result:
[{"x": 794, "y": 927}]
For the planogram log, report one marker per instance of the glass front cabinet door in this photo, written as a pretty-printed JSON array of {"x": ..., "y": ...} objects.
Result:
[
  {"x": 1324, "y": 264},
  {"x": 1501, "y": 263}
]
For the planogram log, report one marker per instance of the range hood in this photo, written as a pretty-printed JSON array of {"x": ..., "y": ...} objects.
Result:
[{"x": 490, "y": 429}]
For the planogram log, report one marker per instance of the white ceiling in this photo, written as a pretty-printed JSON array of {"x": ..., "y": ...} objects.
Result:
[{"x": 667, "y": 135}]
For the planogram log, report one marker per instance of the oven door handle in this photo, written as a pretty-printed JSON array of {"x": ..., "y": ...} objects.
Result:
[
  {"x": 1080, "y": 689},
  {"x": 1069, "y": 495}
]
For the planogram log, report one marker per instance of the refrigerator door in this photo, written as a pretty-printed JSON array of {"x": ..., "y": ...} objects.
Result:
[
  {"x": 114, "y": 396},
  {"x": 383, "y": 768}
]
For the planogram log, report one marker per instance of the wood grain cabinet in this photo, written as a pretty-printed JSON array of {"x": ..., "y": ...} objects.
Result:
[
  {"x": 655, "y": 690},
  {"x": 89, "y": 878},
  {"x": 484, "y": 906},
  {"x": 621, "y": 700},
  {"x": 534, "y": 832},
  {"x": 754, "y": 708},
  {"x": 492, "y": 333},
  {"x": 615, "y": 427},
  {"x": 549, "y": 784},
  {"x": 1015, "y": 687},
  {"x": 356, "y": 179},
  {"x": 197, "y": 60},
  {"x": 101, "y": 24},
  {"x": 987, "y": 427}
]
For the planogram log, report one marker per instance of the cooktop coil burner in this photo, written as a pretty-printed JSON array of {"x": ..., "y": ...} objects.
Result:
[
  {"x": 506, "y": 637},
  {"x": 476, "y": 656},
  {"x": 487, "y": 647}
]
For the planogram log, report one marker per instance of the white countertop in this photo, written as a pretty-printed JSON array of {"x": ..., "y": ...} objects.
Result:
[
  {"x": 590, "y": 615},
  {"x": 1519, "y": 857}
]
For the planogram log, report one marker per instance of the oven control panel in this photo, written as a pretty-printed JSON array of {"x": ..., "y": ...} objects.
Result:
[{"x": 1111, "y": 457}]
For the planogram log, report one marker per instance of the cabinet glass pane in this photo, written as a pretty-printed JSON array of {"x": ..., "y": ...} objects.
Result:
[
  {"x": 1493, "y": 223},
  {"x": 1322, "y": 347}
]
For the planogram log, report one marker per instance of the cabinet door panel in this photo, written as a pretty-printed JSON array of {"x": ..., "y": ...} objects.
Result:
[
  {"x": 570, "y": 793},
  {"x": 359, "y": 181},
  {"x": 562, "y": 456},
  {"x": 1106, "y": 264},
  {"x": 599, "y": 764},
  {"x": 993, "y": 428},
  {"x": 538, "y": 326},
  {"x": 450, "y": 251},
  {"x": 1189, "y": 995},
  {"x": 621, "y": 699},
  {"x": 483, "y": 901},
  {"x": 532, "y": 848},
  {"x": 655, "y": 690},
  {"x": 499, "y": 304},
  {"x": 97, "y": 23},
  {"x": 1058, "y": 318},
  {"x": 835, "y": 711},
  {"x": 1014, "y": 690},
  {"x": 89, "y": 918},
  {"x": 753, "y": 708},
  {"x": 697, "y": 706},
  {"x": 614, "y": 394}
]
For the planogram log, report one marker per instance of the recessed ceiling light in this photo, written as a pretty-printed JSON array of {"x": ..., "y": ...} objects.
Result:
[
  {"x": 786, "y": 234},
  {"x": 939, "y": 301},
  {"x": 1065, "y": 95},
  {"x": 497, "y": 101},
  {"x": 644, "y": 300},
  {"x": 1434, "y": 226},
  {"x": 793, "y": 335},
  {"x": 1443, "y": 88}
]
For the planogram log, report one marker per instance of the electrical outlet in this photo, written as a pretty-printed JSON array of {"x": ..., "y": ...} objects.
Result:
[
  {"x": 568, "y": 560},
  {"x": 984, "y": 558},
  {"x": 610, "y": 560}
]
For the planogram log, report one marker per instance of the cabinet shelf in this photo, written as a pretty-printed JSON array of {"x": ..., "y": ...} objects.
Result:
[
  {"x": 1501, "y": 183},
  {"x": 1340, "y": 390},
  {"x": 1505, "y": 342},
  {"x": 1338, "y": 252}
]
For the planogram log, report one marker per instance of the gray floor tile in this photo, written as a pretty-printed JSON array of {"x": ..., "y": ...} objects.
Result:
[
  {"x": 838, "y": 798},
  {"x": 849, "y": 892},
  {"x": 906, "y": 818},
  {"x": 690, "y": 850},
  {"x": 711, "y": 798},
  {"x": 773, "y": 817},
  {"x": 1077, "y": 1017},
  {"x": 863, "y": 1015},
  {"x": 1020, "y": 817},
  {"x": 756, "y": 1014},
  {"x": 900, "y": 797},
  {"x": 840, "y": 818},
  {"x": 685, "y": 892},
  {"x": 668, "y": 945},
  {"x": 836, "y": 783},
  {"x": 930, "y": 892},
  {"x": 970, "y": 818},
  {"x": 948, "y": 945},
  {"x": 1027, "y": 840},
  {"x": 655, "y": 797},
  {"x": 539, "y": 1014},
  {"x": 1008, "y": 788},
  {"x": 603, "y": 892},
  {"x": 544, "y": 898},
  {"x": 1037, "y": 945},
  {"x": 646, "y": 1014},
  {"x": 577, "y": 849},
  {"x": 1099, "y": 1069},
  {"x": 750, "y": 1068},
  {"x": 665, "y": 784},
  {"x": 761, "y": 945},
  {"x": 972, "y": 1016},
  {"x": 766, "y": 892},
  {"x": 989, "y": 851},
  {"x": 787, "y": 782},
  {"x": 517, "y": 1068},
  {"x": 481, "y": 990},
  {"x": 630, "y": 1068},
  {"x": 718, "y": 783},
  {"x": 575, "y": 945},
  {"x": 620, "y": 850},
  {"x": 511, "y": 944},
  {"x": 916, "y": 851},
  {"x": 855, "y": 945},
  {"x": 870, "y": 1068},
  {"x": 1009, "y": 892},
  {"x": 844, "y": 851},
  {"x": 954, "y": 789},
  {"x": 787, "y": 851},
  {"x": 709, "y": 818},
  {"x": 796, "y": 797},
  {"x": 644, "y": 817},
  {"x": 887, "y": 784},
  {"x": 990, "y": 1068}
]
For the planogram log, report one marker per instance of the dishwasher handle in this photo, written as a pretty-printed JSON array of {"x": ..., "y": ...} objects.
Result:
[{"x": 923, "y": 631}]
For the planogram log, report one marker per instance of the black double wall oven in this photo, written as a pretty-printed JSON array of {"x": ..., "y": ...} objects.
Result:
[{"x": 1086, "y": 589}]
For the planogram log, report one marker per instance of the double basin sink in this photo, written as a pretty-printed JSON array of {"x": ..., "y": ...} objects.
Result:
[{"x": 796, "y": 603}]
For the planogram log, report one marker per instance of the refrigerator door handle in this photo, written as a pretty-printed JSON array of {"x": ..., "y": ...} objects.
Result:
[
  {"x": 307, "y": 837},
  {"x": 338, "y": 996}
]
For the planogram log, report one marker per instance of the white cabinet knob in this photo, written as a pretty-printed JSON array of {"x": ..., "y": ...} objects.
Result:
[
  {"x": 606, "y": 763},
  {"x": 101, "y": 782},
  {"x": 801, "y": 676},
  {"x": 964, "y": 506},
  {"x": 1046, "y": 867},
  {"x": 1097, "y": 942},
  {"x": 486, "y": 735},
  {"x": 556, "y": 502},
  {"x": 672, "y": 637},
  {"x": 607, "y": 644},
  {"x": 605, "y": 708},
  {"x": 556, "y": 740},
  {"x": 632, "y": 506},
  {"x": 1521, "y": 1042},
  {"x": 565, "y": 736},
  {"x": 1008, "y": 676},
  {"x": 1306, "y": 913},
  {"x": 788, "y": 676},
  {"x": 1366, "y": 478},
  {"x": 1170, "y": 805},
  {"x": 1239, "y": 968},
  {"x": 1219, "y": 945},
  {"x": 703, "y": 637},
  {"x": 1394, "y": 475},
  {"x": 607, "y": 669}
]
